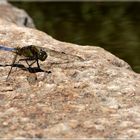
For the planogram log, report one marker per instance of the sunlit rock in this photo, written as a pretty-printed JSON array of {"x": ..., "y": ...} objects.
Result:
[{"x": 81, "y": 92}]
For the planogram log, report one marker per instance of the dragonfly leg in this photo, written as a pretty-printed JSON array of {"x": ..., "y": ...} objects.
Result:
[
  {"x": 31, "y": 63},
  {"x": 27, "y": 61},
  {"x": 18, "y": 63},
  {"x": 37, "y": 63},
  {"x": 14, "y": 60}
]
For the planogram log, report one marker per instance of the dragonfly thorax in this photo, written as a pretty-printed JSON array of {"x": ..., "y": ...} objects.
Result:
[{"x": 32, "y": 52}]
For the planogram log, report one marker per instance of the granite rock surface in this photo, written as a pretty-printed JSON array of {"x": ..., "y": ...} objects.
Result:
[{"x": 82, "y": 92}]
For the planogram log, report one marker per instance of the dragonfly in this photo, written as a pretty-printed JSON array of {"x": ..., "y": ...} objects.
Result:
[{"x": 30, "y": 53}]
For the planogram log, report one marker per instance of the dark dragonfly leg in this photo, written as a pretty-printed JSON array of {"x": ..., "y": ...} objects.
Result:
[
  {"x": 31, "y": 63},
  {"x": 14, "y": 60},
  {"x": 36, "y": 60},
  {"x": 32, "y": 70},
  {"x": 37, "y": 63},
  {"x": 26, "y": 60}
]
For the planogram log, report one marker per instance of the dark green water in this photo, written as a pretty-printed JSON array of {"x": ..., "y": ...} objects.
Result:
[{"x": 111, "y": 25}]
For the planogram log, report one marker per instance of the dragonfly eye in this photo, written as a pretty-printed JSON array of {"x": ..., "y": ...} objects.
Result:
[{"x": 42, "y": 55}]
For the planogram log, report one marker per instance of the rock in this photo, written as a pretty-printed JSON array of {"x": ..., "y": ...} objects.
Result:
[
  {"x": 73, "y": 123},
  {"x": 15, "y": 15},
  {"x": 126, "y": 124},
  {"x": 100, "y": 127},
  {"x": 88, "y": 124},
  {"x": 81, "y": 91},
  {"x": 19, "y": 138},
  {"x": 61, "y": 128},
  {"x": 10, "y": 111},
  {"x": 2, "y": 96}
]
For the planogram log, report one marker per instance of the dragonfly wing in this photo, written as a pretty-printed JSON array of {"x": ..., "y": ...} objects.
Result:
[
  {"x": 14, "y": 60},
  {"x": 6, "y": 48}
]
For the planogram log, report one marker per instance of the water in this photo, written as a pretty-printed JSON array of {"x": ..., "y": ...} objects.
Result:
[{"x": 111, "y": 25}]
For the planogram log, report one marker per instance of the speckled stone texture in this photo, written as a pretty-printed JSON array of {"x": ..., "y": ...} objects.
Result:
[{"x": 89, "y": 93}]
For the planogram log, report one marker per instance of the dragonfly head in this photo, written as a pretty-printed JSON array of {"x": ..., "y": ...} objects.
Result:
[{"x": 42, "y": 55}]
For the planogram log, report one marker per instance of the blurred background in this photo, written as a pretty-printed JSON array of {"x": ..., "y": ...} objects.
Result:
[{"x": 113, "y": 26}]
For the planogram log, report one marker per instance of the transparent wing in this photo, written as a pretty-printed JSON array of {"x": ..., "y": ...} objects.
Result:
[{"x": 6, "y": 48}]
